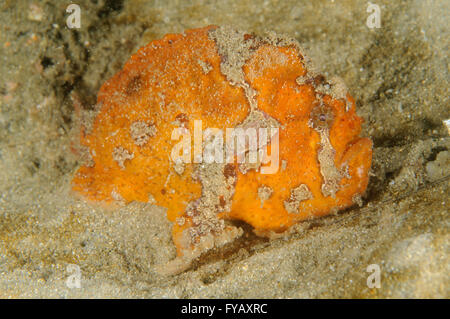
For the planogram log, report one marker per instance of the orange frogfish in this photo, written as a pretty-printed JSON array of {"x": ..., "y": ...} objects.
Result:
[{"x": 217, "y": 125}]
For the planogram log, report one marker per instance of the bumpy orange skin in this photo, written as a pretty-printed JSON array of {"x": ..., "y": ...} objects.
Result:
[
  {"x": 164, "y": 79},
  {"x": 282, "y": 98}
]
